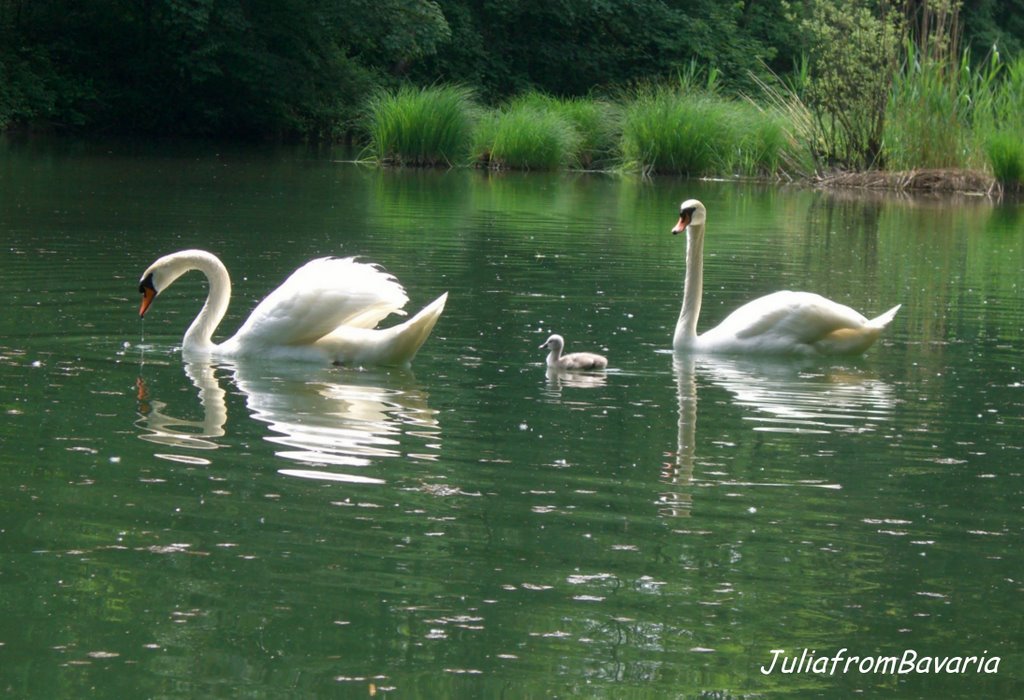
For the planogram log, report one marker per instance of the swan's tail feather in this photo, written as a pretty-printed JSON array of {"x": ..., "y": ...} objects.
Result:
[
  {"x": 885, "y": 319},
  {"x": 396, "y": 346},
  {"x": 407, "y": 338},
  {"x": 853, "y": 341}
]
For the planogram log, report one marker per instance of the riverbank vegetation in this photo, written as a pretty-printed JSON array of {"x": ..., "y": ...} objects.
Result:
[
  {"x": 785, "y": 90},
  {"x": 891, "y": 97}
]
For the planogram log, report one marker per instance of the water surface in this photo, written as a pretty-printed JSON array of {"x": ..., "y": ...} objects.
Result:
[{"x": 473, "y": 526}]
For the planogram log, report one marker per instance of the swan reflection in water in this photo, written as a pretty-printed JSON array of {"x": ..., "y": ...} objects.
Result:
[
  {"x": 800, "y": 396},
  {"x": 776, "y": 395},
  {"x": 320, "y": 418},
  {"x": 163, "y": 428}
]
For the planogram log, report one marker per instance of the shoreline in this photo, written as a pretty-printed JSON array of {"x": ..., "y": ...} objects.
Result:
[{"x": 916, "y": 181}]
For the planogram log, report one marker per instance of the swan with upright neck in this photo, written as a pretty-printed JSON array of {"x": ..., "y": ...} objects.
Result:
[
  {"x": 326, "y": 311},
  {"x": 800, "y": 323}
]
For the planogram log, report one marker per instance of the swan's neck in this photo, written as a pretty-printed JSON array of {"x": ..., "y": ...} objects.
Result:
[
  {"x": 198, "y": 337},
  {"x": 554, "y": 356},
  {"x": 693, "y": 288}
]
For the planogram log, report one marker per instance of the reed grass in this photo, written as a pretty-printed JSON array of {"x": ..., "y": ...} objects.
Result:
[
  {"x": 664, "y": 131},
  {"x": 596, "y": 123},
  {"x": 927, "y": 122},
  {"x": 526, "y": 134},
  {"x": 940, "y": 115},
  {"x": 782, "y": 99},
  {"x": 697, "y": 132},
  {"x": 1005, "y": 151},
  {"x": 944, "y": 112},
  {"x": 999, "y": 121},
  {"x": 764, "y": 147},
  {"x": 429, "y": 126}
]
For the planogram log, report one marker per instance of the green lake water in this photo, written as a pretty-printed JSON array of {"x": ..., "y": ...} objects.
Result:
[{"x": 473, "y": 527}]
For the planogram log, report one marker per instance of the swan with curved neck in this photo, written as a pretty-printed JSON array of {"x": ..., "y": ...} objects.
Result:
[
  {"x": 780, "y": 323},
  {"x": 327, "y": 310}
]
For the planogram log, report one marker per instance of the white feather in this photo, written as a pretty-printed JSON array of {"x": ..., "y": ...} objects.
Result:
[
  {"x": 779, "y": 323},
  {"x": 327, "y": 310}
]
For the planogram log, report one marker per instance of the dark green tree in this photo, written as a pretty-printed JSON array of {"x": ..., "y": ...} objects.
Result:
[
  {"x": 993, "y": 23},
  {"x": 571, "y": 47},
  {"x": 303, "y": 67}
]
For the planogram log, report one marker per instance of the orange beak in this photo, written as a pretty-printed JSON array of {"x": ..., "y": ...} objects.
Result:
[
  {"x": 148, "y": 295},
  {"x": 684, "y": 221}
]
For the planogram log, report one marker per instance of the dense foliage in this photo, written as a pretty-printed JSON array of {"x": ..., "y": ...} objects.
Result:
[{"x": 255, "y": 68}]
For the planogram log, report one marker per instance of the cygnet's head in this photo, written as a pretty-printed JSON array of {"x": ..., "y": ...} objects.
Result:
[
  {"x": 554, "y": 342},
  {"x": 691, "y": 213}
]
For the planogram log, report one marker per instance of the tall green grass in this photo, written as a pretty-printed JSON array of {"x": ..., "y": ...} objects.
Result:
[
  {"x": 999, "y": 121},
  {"x": 526, "y": 134},
  {"x": 1005, "y": 151},
  {"x": 946, "y": 114},
  {"x": 942, "y": 113},
  {"x": 699, "y": 133},
  {"x": 595, "y": 122},
  {"x": 664, "y": 131},
  {"x": 781, "y": 97},
  {"x": 764, "y": 147},
  {"x": 927, "y": 121},
  {"x": 421, "y": 126}
]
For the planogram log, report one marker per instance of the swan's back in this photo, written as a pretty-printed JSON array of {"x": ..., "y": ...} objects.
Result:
[
  {"x": 319, "y": 297},
  {"x": 794, "y": 322}
]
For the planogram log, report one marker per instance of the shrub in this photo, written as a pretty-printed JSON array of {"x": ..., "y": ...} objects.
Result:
[{"x": 852, "y": 58}]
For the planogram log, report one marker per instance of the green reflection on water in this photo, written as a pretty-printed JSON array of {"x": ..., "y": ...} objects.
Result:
[{"x": 474, "y": 526}]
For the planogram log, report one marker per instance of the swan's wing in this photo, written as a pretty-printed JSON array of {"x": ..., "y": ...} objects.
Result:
[
  {"x": 319, "y": 297},
  {"x": 802, "y": 317}
]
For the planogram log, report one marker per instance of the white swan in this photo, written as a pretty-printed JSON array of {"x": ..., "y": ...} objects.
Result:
[
  {"x": 779, "y": 323},
  {"x": 326, "y": 310},
  {"x": 575, "y": 360}
]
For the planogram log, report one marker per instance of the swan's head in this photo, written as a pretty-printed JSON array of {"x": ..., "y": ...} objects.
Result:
[
  {"x": 147, "y": 288},
  {"x": 162, "y": 273},
  {"x": 554, "y": 342},
  {"x": 691, "y": 213}
]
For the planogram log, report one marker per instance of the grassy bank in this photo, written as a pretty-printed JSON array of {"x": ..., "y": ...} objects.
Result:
[
  {"x": 950, "y": 115},
  {"x": 937, "y": 117},
  {"x": 654, "y": 129}
]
